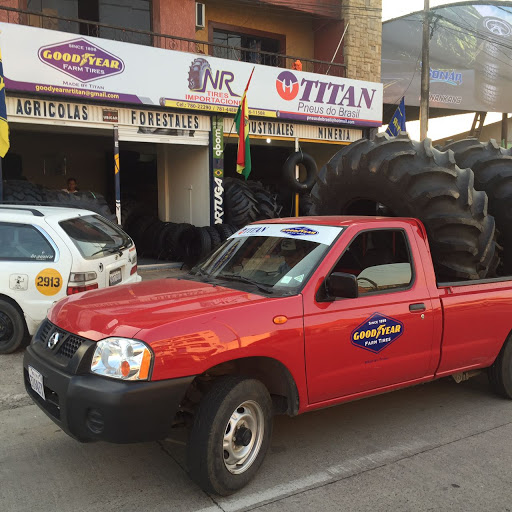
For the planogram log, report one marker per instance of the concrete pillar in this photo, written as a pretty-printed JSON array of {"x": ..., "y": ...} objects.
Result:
[{"x": 363, "y": 40}]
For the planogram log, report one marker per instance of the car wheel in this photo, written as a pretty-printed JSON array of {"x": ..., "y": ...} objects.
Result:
[
  {"x": 12, "y": 328},
  {"x": 230, "y": 435},
  {"x": 500, "y": 373}
]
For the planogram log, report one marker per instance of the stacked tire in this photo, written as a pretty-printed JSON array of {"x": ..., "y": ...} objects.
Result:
[
  {"x": 492, "y": 168},
  {"x": 248, "y": 201},
  {"x": 412, "y": 179},
  {"x": 175, "y": 241},
  {"x": 24, "y": 192}
]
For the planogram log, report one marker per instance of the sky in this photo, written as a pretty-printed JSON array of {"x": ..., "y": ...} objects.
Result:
[{"x": 441, "y": 127}]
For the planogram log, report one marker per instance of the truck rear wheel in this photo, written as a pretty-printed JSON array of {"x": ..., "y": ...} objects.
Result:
[
  {"x": 500, "y": 373},
  {"x": 412, "y": 179},
  {"x": 230, "y": 435},
  {"x": 12, "y": 328}
]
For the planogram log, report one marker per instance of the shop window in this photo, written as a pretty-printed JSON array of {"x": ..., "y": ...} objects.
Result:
[
  {"x": 131, "y": 14},
  {"x": 380, "y": 259},
  {"x": 21, "y": 242},
  {"x": 252, "y": 46}
]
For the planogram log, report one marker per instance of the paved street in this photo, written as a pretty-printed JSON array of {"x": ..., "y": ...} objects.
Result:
[{"x": 440, "y": 446}]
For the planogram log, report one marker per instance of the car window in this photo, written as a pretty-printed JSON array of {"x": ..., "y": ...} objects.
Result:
[
  {"x": 94, "y": 236},
  {"x": 380, "y": 259},
  {"x": 23, "y": 242}
]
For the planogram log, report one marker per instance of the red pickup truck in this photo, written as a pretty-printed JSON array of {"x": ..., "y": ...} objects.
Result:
[{"x": 287, "y": 316}]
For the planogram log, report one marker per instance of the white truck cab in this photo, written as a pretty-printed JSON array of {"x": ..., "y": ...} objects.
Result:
[{"x": 47, "y": 253}]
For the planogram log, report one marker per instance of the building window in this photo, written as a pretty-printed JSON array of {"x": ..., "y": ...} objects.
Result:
[
  {"x": 252, "y": 46},
  {"x": 130, "y": 14}
]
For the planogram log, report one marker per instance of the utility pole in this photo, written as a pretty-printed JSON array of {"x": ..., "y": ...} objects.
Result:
[{"x": 425, "y": 72}]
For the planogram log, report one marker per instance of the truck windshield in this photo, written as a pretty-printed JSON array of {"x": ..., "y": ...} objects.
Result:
[
  {"x": 273, "y": 258},
  {"x": 94, "y": 236}
]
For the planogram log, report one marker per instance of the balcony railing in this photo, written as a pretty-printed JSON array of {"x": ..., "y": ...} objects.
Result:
[{"x": 170, "y": 42}]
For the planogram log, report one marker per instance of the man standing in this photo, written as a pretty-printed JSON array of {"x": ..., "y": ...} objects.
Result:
[{"x": 71, "y": 188}]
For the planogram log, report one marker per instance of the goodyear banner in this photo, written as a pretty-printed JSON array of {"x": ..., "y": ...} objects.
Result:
[{"x": 55, "y": 63}]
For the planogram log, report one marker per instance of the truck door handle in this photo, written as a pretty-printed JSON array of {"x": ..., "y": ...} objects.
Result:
[{"x": 417, "y": 307}]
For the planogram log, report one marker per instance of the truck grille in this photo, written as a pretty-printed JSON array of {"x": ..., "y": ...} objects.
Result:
[{"x": 70, "y": 344}]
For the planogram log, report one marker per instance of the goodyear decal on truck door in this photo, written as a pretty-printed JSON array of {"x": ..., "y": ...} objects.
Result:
[{"x": 377, "y": 332}]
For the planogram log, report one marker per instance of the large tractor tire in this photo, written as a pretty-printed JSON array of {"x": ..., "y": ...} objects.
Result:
[
  {"x": 492, "y": 167},
  {"x": 412, "y": 179},
  {"x": 19, "y": 191}
]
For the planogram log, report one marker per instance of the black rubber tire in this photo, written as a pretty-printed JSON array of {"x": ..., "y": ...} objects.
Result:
[
  {"x": 300, "y": 158},
  {"x": 214, "y": 237},
  {"x": 197, "y": 244},
  {"x": 13, "y": 330},
  {"x": 19, "y": 191},
  {"x": 177, "y": 246},
  {"x": 240, "y": 204},
  {"x": 85, "y": 201},
  {"x": 492, "y": 167},
  {"x": 205, "y": 453},
  {"x": 225, "y": 230},
  {"x": 500, "y": 373},
  {"x": 413, "y": 179}
]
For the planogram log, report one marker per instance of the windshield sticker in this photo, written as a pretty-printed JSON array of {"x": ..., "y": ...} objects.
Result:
[
  {"x": 377, "y": 332},
  {"x": 312, "y": 233},
  {"x": 299, "y": 230},
  {"x": 299, "y": 278},
  {"x": 286, "y": 279}
]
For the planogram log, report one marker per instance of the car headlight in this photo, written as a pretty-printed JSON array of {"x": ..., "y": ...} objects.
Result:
[{"x": 121, "y": 358}]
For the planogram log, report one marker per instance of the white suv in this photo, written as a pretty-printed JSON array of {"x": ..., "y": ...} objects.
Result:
[{"x": 47, "y": 253}]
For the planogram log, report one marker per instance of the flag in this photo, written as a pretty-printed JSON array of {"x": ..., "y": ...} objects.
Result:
[
  {"x": 397, "y": 123},
  {"x": 4, "y": 127},
  {"x": 243, "y": 157}
]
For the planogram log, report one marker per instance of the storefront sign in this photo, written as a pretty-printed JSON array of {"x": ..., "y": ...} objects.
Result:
[
  {"x": 51, "y": 63},
  {"x": 110, "y": 115},
  {"x": 38, "y": 109},
  {"x": 218, "y": 170},
  {"x": 282, "y": 130}
]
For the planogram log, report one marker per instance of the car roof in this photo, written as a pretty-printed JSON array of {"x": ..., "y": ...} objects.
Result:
[
  {"x": 13, "y": 211},
  {"x": 335, "y": 220}
]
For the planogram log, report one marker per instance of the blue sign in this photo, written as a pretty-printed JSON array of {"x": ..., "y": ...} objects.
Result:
[
  {"x": 377, "y": 332},
  {"x": 299, "y": 231}
]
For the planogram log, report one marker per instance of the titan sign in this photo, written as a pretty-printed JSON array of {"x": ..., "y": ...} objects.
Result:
[
  {"x": 470, "y": 57},
  {"x": 48, "y": 62}
]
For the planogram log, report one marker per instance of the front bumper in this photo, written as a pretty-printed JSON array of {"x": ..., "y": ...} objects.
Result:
[{"x": 89, "y": 407}]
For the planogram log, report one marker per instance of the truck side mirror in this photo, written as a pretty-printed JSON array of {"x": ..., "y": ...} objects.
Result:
[{"x": 342, "y": 285}]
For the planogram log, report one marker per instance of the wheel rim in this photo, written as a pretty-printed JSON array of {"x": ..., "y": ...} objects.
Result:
[
  {"x": 243, "y": 436},
  {"x": 6, "y": 327}
]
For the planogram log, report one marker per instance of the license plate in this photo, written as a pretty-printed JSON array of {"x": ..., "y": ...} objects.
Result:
[
  {"x": 115, "y": 277},
  {"x": 36, "y": 382}
]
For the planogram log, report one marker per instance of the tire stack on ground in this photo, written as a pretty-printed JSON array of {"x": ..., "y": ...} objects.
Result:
[
  {"x": 248, "y": 201},
  {"x": 175, "y": 241},
  {"x": 24, "y": 192},
  {"x": 195, "y": 243},
  {"x": 412, "y": 179},
  {"x": 492, "y": 167}
]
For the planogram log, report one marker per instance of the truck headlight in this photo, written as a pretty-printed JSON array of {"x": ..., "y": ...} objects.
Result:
[{"x": 121, "y": 358}]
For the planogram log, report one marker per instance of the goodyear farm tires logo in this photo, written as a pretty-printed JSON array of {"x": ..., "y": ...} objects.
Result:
[
  {"x": 376, "y": 333},
  {"x": 287, "y": 85},
  {"x": 299, "y": 231},
  {"x": 81, "y": 60}
]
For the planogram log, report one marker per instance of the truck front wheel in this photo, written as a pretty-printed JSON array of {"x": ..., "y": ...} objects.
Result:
[
  {"x": 230, "y": 435},
  {"x": 500, "y": 373}
]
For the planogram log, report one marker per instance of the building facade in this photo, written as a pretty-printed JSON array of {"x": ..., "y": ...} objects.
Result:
[{"x": 166, "y": 77}]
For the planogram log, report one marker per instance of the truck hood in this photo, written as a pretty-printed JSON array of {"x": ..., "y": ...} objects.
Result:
[{"x": 125, "y": 310}]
